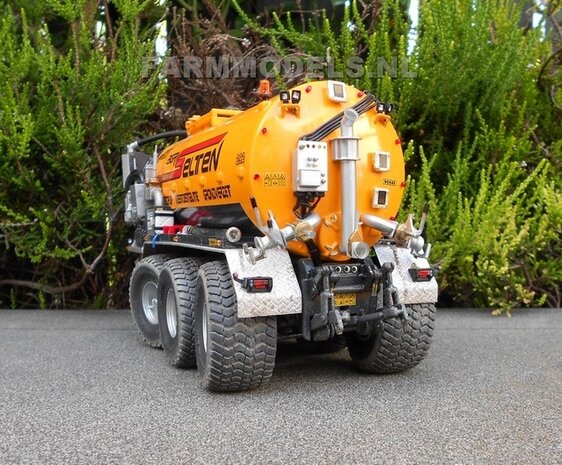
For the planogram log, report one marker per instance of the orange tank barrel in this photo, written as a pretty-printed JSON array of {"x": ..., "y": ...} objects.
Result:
[{"x": 232, "y": 159}]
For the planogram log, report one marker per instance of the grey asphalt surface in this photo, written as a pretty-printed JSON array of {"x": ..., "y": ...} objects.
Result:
[{"x": 79, "y": 387}]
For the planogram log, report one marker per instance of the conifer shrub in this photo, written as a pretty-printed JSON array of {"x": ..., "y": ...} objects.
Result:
[{"x": 70, "y": 98}]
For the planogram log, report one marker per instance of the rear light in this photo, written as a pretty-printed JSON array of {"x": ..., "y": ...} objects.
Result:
[
  {"x": 261, "y": 284},
  {"x": 421, "y": 274},
  {"x": 255, "y": 283},
  {"x": 295, "y": 96}
]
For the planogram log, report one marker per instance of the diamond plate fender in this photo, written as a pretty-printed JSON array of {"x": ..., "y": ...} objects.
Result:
[
  {"x": 285, "y": 297},
  {"x": 409, "y": 291}
]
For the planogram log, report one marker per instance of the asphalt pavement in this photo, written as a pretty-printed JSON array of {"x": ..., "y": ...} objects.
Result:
[{"x": 79, "y": 387}]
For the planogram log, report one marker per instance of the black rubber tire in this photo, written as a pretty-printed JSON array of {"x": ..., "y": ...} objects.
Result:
[
  {"x": 232, "y": 354},
  {"x": 397, "y": 345},
  {"x": 179, "y": 276},
  {"x": 330, "y": 346},
  {"x": 145, "y": 277}
]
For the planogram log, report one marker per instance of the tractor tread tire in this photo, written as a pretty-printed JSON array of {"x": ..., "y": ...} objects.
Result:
[
  {"x": 181, "y": 274},
  {"x": 398, "y": 344},
  {"x": 240, "y": 352},
  {"x": 155, "y": 263}
]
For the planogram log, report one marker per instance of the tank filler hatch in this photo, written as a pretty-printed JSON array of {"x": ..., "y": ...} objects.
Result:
[{"x": 213, "y": 118}]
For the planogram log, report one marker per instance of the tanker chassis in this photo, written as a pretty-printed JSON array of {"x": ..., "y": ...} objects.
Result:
[{"x": 278, "y": 222}]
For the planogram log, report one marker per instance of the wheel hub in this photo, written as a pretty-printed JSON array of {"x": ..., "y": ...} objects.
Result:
[
  {"x": 205, "y": 335},
  {"x": 149, "y": 302},
  {"x": 171, "y": 313}
]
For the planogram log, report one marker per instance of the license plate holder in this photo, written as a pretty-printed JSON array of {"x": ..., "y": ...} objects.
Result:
[{"x": 345, "y": 299}]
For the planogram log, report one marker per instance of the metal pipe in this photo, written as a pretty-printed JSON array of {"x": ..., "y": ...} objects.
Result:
[
  {"x": 279, "y": 237},
  {"x": 313, "y": 220},
  {"x": 288, "y": 232},
  {"x": 158, "y": 197},
  {"x": 348, "y": 182},
  {"x": 387, "y": 227}
]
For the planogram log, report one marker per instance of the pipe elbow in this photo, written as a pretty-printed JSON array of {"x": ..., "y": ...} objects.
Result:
[
  {"x": 349, "y": 117},
  {"x": 157, "y": 196}
]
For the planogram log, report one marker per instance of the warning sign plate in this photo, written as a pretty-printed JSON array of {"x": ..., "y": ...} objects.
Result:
[{"x": 275, "y": 179}]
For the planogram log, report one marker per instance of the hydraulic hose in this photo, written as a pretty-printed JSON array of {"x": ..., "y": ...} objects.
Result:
[
  {"x": 364, "y": 105},
  {"x": 163, "y": 135}
]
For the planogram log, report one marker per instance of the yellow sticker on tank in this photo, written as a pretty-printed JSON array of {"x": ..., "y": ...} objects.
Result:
[
  {"x": 275, "y": 179},
  {"x": 345, "y": 299}
]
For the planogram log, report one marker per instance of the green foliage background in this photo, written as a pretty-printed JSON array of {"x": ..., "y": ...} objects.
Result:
[
  {"x": 69, "y": 99},
  {"x": 481, "y": 119}
]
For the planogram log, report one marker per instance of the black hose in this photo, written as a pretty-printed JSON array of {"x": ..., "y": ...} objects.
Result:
[
  {"x": 333, "y": 123},
  {"x": 133, "y": 177},
  {"x": 162, "y": 135}
]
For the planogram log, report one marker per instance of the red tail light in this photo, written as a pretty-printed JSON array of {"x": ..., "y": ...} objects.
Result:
[
  {"x": 421, "y": 274},
  {"x": 254, "y": 284}
]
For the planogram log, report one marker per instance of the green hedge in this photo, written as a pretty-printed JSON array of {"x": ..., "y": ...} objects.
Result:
[{"x": 70, "y": 98}]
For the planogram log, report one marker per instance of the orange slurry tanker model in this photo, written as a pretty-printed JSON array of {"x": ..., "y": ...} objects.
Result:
[{"x": 278, "y": 222}]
